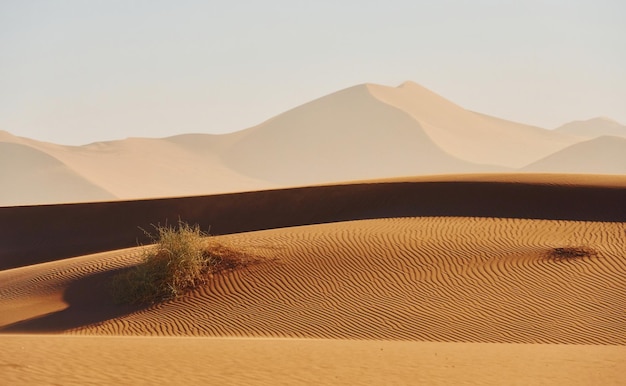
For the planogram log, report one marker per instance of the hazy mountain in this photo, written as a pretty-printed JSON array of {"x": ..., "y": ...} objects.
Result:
[
  {"x": 595, "y": 127},
  {"x": 346, "y": 135},
  {"x": 30, "y": 176},
  {"x": 469, "y": 135},
  {"x": 363, "y": 132},
  {"x": 602, "y": 155}
]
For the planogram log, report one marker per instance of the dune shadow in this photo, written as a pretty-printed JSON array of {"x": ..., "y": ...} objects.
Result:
[{"x": 89, "y": 302}]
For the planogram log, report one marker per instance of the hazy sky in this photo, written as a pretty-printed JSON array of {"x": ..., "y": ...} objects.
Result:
[{"x": 79, "y": 71}]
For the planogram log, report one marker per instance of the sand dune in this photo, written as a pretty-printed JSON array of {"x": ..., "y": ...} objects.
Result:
[
  {"x": 134, "y": 168},
  {"x": 593, "y": 128},
  {"x": 361, "y": 275},
  {"x": 343, "y": 136},
  {"x": 364, "y": 132},
  {"x": 95, "y": 227},
  {"x": 473, "y": 137},
  {"x": 423, "y": 279},
  {"x": 136, "y": 360},
  {"x": 34, "y": 177},
  {"x": 433, "y": 279},
  {"x": 602, "y": 155}
]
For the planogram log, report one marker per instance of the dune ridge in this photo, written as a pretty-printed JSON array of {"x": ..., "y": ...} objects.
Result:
[
  {"x": 134, "y": 168},
  {"x": 601, "y": 155},
  {"x": 362, "y": 275},
  {"x": 438, "y": 279},
  {"x": 363, "y": 132},
  {"x": 88, "y": 228},
  {"x": 473, "y": 137},
  {"x": 39, "y": 178},
  {"x": 594, "y": 127},
  {"x": 409, "y": 279},
  {"x": 417, "y": 279}
]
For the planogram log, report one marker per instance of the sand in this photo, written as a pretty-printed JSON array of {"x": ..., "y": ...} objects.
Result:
[
  {"x": 122, "y": 224},
  {"x": 602, "y": 155},
  {"x": 595, "y": 127},
  {"x": 381, "y": 293},
  {"x": 30, "y": 359},
  {"x": 363, "y": 132}
]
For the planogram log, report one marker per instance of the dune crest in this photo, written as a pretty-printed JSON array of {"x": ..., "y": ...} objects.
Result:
[
  {"x": 344, "y": 136},
  {"x": 363, "y": 132},
  {"x": 40, "y": 178},
  {"x": 435, "y": 279},
  {"x": 468, "y": 135},
  {"x": 594, "y": 127},
  {"x": 601, "y": 155},
  {"x": 417, "y": 279}
]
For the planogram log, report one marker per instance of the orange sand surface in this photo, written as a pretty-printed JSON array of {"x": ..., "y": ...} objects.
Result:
[
  {"x": 72, "y": 360},
  {"x": 385, "y": 300}
]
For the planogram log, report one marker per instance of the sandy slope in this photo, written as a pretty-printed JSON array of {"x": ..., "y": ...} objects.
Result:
[
  {"x": 32, "y": 176},
  {"x": 593, "y": 128},
  {"x": 473, "y": 137},
  {"x": 362, "y": 132},
  {"x": 426, "y": 279},
  {"x": 390, "y": 284},
  {"x": 27, "y": 240},
  {"x": 344, "y": 136},
  {"x": 134, "y": 168},
  {"x": 601, "y": 155},
  {"x": 135, "y": 360},
  {"x": 352, "y": 301}
]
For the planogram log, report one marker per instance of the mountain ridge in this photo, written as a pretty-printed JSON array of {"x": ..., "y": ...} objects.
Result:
[
  {"x": 594, "y": 127},
  {"x": 367, "y": 131}
]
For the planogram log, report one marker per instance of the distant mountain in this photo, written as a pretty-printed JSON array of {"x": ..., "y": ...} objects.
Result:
[
  {"x": 34, "y": 172},
  {"x": 30, "y": 176},
  {"x": 363, "y": 132},
  {"x": 593, "y": 128},
  {"x": 347, "y": 135},
  {"x": 602, "y": 155},
  {"x": 469, "y": 135}
]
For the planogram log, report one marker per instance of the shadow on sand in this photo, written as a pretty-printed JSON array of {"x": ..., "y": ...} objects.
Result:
[{"x": 89, "y": 302}]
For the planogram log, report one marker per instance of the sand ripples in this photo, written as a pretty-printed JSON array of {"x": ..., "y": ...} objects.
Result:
[{"x": 435, "y": 279}]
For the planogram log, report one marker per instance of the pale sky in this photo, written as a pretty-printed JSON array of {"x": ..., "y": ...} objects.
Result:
[{"x": 79, "y": 71}]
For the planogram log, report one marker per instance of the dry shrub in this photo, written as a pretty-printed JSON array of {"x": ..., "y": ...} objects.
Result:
[
  {"x": 571, "y": 253},
  {"x": 181, "y": 258}
]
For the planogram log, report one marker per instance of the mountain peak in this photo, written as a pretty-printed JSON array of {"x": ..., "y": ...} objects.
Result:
[
  {"x": 594, "y": 127},
  {"x": 409, "y": 84},
  {"x": 5, "y": 136}
]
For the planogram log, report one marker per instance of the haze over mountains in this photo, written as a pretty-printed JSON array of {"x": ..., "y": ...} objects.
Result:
[
  {"x": 594, "y": 127},
  {"x": 364, "y": 132}
]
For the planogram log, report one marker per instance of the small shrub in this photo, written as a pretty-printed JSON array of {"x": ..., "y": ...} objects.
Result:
[
  {"x": 181, "y": 258},
  {"x": 571, "y": 253}
]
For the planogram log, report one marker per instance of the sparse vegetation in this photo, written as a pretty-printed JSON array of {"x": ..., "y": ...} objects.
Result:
[
  {"x": 182, "y": 258},
  {"x": 571, "y": 253}
]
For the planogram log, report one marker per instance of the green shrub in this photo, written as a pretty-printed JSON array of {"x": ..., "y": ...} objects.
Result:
[{"x": 181, "y": 258}]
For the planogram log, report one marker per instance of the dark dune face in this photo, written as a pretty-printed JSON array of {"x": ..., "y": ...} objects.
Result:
[{"x": 37, "y": 234}]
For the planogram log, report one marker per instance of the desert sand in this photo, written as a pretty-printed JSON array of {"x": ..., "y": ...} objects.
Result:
[
  {"x": 421, "y": 280},
  {"x": 364, "y": 132},
  {"x": 595, "y": 127},
  {"x": 394, "y": 238},
  {"x": 138, "y": 360}
]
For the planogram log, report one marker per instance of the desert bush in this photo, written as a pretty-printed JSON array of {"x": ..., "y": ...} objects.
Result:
[
  {"x": 571, "y": 253},
  {"x": 181, "y": 258}
]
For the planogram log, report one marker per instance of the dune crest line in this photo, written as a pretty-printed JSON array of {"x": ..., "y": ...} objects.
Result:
[
  {"x": 418, "y": 279},
  {"x": 78, "y": 229}
]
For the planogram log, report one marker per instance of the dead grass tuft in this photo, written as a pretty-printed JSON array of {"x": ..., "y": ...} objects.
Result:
[
  {"x": 181, "y": 258},
  {"x": 571, "y": 253}
]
